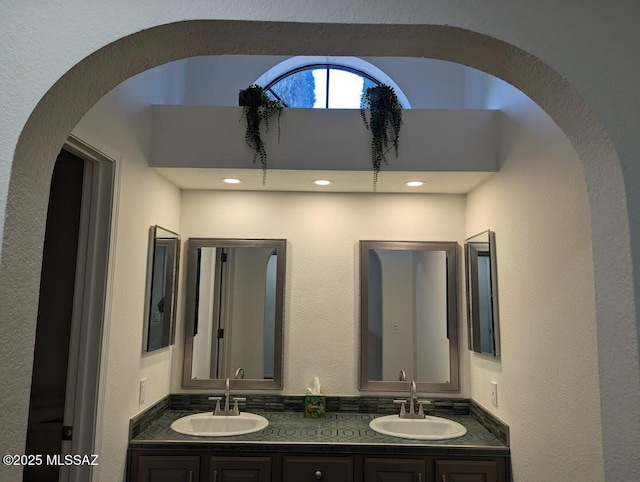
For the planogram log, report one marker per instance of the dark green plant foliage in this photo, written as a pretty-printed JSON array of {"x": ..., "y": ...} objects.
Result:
[
  {"x": 385, "y": 119},
  {"x": 258, "y": 108}
]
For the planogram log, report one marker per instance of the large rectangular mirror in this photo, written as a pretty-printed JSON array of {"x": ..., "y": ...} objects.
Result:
[
  {"x": 482, "y": 294},
  {"x": 408, "y": 316},
  {"x": 235, "y": 293},
  {"x": 162, "y": 284}
]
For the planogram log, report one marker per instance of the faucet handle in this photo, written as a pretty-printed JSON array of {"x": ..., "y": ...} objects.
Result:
[
  {"x": 236, "y": 409},
  {"x": 216, "y": 411},
  {"x": 421, "y": 404},
  {"x": 403, "y": 410}
]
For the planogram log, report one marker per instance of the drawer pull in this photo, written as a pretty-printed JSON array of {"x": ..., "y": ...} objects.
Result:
[
  {"x": 215, "y": 476},
  {"x": 419, "y": 477},
  {"x": 191, "y": 476},
  {"x": 444, "y": 478},
  {"x": 318, "y": 475}
]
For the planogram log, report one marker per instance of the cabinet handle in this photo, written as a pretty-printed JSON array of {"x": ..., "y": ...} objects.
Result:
[
  {"x": 215, "y": 476},
  {"x": 318, "y": 475},
  {"x": 191, "y": 476},
  {"x": 419, "y": 477},
  {"x": 444, "y": 478}
]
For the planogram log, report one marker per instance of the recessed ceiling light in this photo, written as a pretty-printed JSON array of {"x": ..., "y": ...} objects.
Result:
[
  {"x": 414, "y": 183},
  {"x": 232, "y": 180},
  {"x": 322, "y": 182}
]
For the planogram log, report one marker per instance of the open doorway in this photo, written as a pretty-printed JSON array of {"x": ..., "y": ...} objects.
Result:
[{"x": 64, "y": 388}]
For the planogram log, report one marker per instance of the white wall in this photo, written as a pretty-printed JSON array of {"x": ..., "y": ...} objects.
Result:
[
  {"x": 245, "y": 329},
  {"x": 321, "y": 306},
  {"x": 398, "y": 294},
  {"x": 120, "y": 126},
  {"x": 548, "y": 373},
  {"x": 433, "y": 352}
]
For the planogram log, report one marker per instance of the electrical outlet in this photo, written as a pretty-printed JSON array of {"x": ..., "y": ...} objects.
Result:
[
  {"x": 143, "y": 391},
  {"x": 395, "y": 327},
  {"x": 494, "y": 394}
]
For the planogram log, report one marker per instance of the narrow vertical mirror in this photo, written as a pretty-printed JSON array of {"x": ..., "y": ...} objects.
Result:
[
  {"x": 408, "y": 315},
  {"x": 162, "y": 282},
  {"x": 482, "y": 294},
  {"x": 234, "y": 313}
]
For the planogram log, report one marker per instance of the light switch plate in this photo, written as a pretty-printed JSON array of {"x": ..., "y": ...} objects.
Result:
[
  {"x": 494, "y": 394},
  {"x": 395, "y": 327},
  {"x": 143, "y": 391}
]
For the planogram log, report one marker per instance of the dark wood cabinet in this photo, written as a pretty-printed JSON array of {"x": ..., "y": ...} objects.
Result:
[
  {"x": 469, "y": 471},
  {"x": 394, "y": 470},
  {"x": 180, "y": 464},
  {"x": 313, "y": 469},
  {"x": 175, "y": 468},
  {"x": 240, "y": 469}
]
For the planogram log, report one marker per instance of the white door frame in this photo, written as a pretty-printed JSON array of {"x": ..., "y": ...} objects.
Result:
[{"x": 83, "y": 403}]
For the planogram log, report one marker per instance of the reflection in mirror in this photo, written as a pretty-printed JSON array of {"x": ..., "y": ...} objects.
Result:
[
  {"x": 234, "y": 313},
  {"x": 162, "y": 284},
  {"x": 408, "y": 322},
  {"x": 482, "y": 294}
]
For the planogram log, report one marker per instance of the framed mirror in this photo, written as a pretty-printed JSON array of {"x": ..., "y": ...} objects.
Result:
[
  {"x": 162, "y": 285},
  {"x": 408, "y": 316},
  {"x": 482, "y": 294},
  {"x": 234, "y": 319}
]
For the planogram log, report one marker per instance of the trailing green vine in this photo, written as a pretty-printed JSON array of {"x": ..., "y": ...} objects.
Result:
[
  {"x": 256, "y": 108},
  {"x": 385, "y": 119}
]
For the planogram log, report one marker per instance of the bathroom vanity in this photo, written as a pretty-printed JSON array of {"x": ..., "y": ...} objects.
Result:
[
  {"x": 339, "y": 448},
  {"x": 419, "y": 356}
]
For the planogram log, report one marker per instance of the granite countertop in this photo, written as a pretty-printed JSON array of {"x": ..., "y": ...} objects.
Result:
[{"x": 290, "y": 431}]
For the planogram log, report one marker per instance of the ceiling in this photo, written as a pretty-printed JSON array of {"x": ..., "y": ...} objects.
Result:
[{"x": 342, "y": 181}]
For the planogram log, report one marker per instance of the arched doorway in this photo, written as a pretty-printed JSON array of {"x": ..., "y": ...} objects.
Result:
[{"x": 98, "y": 73}]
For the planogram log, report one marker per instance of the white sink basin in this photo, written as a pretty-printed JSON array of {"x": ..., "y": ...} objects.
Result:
[
  {"x": 428, "y": 428},
  {"x": 207, "y": 425}
]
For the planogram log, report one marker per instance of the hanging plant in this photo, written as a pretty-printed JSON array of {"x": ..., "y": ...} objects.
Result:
[
  {"x": 256, "y": 108},
  {"x": 385, "y": 119}
]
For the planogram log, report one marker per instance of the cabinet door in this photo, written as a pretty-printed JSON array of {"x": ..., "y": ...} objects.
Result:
[
  {"x": 394, "y": 470},
  {"x": 313, "y": 469},
  {"x": 240, "y": 469},
  {"x": 168, "y": 468},
  {"x": 467, "y": 471}
]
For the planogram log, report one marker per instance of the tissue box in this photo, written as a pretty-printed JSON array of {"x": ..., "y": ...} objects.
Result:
[{"x": 315, "y": 406}]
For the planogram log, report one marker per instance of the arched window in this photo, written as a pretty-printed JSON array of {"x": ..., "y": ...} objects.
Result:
[{"x": 333, "y": 83}]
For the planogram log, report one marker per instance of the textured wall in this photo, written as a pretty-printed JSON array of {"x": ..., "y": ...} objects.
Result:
[
  {"x": 548, "y": 374},
  {"x": 321, "y": 291},
  {"x": 584, "y": 79},
  {"x": 120, "y": 126}
]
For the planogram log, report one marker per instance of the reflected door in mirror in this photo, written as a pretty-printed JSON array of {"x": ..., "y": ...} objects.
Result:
[
  {"x": 161, "y": 288},
  {"x": 234, "y": 313},
  {"x": 482, "y": 295},
  {"x": 408, "y": 315}
]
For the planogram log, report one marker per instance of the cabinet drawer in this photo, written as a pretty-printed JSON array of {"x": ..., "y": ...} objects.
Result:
[
  {"x": 394, "y": 470},
  {"x": 468, "y": 471},
  {"x": 240, "y": 469},
  {"x": 314, "y": 469},
  {"x": 168, "y": 468}
]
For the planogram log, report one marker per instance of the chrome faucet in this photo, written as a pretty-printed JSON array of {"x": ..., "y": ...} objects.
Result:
[
  {"x": 227, "y": 396},
  {"x": 412, "y": 396},
  {"x": 239, "y": 374},
  {"x": 413, "y": 402}
]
